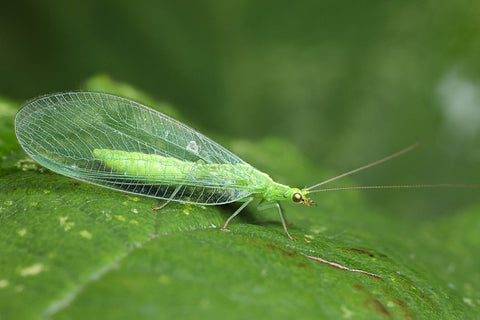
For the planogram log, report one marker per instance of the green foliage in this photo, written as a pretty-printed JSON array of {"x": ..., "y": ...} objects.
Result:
[{"x": 70, "y": 250}]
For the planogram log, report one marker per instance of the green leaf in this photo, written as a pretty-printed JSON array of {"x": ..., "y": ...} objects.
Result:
[{"x": 70, "y": 250}]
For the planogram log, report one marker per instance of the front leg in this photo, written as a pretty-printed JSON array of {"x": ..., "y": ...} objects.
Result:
[{"x": 266, "y": 205}]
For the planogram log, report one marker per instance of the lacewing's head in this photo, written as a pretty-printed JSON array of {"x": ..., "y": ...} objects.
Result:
[{"x": 300, "y": 196}]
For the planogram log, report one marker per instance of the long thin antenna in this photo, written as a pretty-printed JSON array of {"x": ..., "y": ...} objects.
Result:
[
  {"x": 402, "y": 186},
  {"x": 365, "y": 166}
]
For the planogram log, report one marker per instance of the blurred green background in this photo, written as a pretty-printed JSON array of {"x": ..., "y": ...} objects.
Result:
[{"x": 348, "y": 82}]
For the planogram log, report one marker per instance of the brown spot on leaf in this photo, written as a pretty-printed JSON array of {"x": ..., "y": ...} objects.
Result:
[
  {"x": 377, "y": 306},
  {"x": 360, "y": 251},
  {"x": 283, "y": 250},
  {"x": 365, "y": 252},
  {"x": 401, "y": 304},
  {"x": 361, "y": 288}
]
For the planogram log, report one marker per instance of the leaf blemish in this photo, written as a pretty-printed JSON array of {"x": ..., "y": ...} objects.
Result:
[
  {"x": 108, "y": 217},
  {"x": 347, "y": 313},
  {"x": 378, "y": 307},
  {"x": 120, "y": 218},
  {"x": 318, "y": 230},
  {"x": 67, "y": 225},
  {"x": 3, "y": 283},
  {"x": 360, "y": 251},
  {"x": 29, "y": 165},
  {"x": 308, "y": 238},
  {"x": 32, "y": 270},
  {"x": 86, "y": 234}
]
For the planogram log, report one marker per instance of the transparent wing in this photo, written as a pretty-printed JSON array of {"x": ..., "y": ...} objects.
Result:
[{"x": 60, "y": 131}]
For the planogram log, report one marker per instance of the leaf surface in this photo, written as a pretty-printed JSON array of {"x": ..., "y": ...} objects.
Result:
[{"x": 73, "y": 251}]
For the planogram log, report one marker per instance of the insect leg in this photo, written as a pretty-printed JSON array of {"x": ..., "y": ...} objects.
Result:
[
  {"x": 284, "y": 221},
  {"x": 266, "y": 205},
  {"x": 236, "y": 212},
  {"x": 168, "y": 201},
  {"x": 162, "y": 205}
]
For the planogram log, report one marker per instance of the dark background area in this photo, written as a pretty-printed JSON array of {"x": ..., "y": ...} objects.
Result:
[{"x": 347, "y": 82}]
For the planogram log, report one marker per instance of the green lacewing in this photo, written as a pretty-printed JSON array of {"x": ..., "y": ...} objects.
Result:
[{"x": 123, "y": 145}]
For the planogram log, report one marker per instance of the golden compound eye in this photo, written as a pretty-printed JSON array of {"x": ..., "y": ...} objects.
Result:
[{"x": 297, "y": 197}]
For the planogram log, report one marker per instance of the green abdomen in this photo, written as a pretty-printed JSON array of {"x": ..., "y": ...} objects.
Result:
[{"x": 167, "y": 171}]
